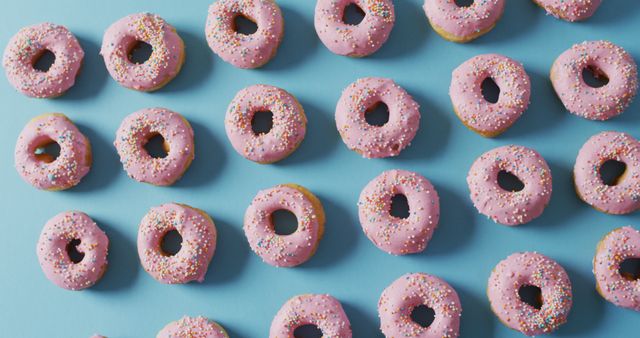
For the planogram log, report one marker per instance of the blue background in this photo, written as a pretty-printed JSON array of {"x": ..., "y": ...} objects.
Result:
[{"x": 240, "y": 291}]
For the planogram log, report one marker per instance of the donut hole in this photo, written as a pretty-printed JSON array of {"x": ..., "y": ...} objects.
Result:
[
  {"x": 611, "y": 171},
  {"x": 509, "y": 182},
  {"x": 399, "y": 206},
  {"x": 47, "y": 151},
  {"x": 171, "y": 243},
  {"x": 307, "y": 331},
  {"x": 377, "y": 115},
  {"x": 284, "y": 222},
  {"x": 490, "y": 90},
  {"x": 630, "y": 269},
  {"x": 44, "y": 60},
  {"x": 423, "y": 315},
  {"x": 464, "y": 3},
  {"x": 594, "y": 77},
  {"x": 140, "y": 52},
  {"x": 262, "y": 122},
  {"x": 531, "y": 295},
  {"x": 74, "y": 254},
  {"x": 244, "y": 25},
  {"x": 353, "y": 15},
  {"x": 156, "y": 146}
]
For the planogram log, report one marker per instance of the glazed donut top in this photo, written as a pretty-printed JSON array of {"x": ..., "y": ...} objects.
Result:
[
  {"x": 463, "y": 21},
  {"x": 570, "y": 10},
  {"x": 323, "y": 311},
  {"x": 193, "y": 327},
  {"x": 27, "y": 45}
]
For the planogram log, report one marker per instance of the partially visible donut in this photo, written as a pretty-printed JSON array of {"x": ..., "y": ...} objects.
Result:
[
  {"x": 323, "y": 311},
  {"x": 193, "y": 327},
  {"x": 570, "y": 10}
]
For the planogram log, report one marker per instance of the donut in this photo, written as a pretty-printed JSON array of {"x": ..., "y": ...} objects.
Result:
[
  {"x": 59, "y": 236},
  {"x": 193, "y": 327},
  {"x": 138, "y": 128},
  {"x": 510, "y": 207},
  {"x": 617, "y": 246},
  {"x": 399, "y": 299},
  {"x": 98, "y": 336},
  {"x": 606, "y": 61},
  {"x": 25, "y": 49},
  {"x": 624, "y": 196},
  {"x": 42, "y": 170},
  {"x": 399, "y": 236},
  {"x": 323, "y": 311},
  {"x": 463, "y": 23},
  {"x": 287, "y": 132},
  {"x": 284, "y": 250},
  {"x": 372, "y": 141},
  {"x": 358, "y": 40},
  {"x": 163, "y": 64},
  {"x": 476, "y": 113},
  {"x": 530, "y": 269},
  {"x": 198, "y": 234},
  {"x": 240, "y": 50},
  {"x": 570, "y": 10}
]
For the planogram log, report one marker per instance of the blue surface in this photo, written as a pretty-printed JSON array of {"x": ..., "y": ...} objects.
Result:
[{"x": 240, "y": 291}]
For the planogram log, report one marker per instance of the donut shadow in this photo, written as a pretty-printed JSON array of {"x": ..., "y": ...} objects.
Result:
[
  {"x": 456, "y": 226},
  {"x": 409, "y": 32},
  {"x": 230, "y": 329},
  {"x": 123, "y": 260},
  {"x": 232, "y": 253},
  {"x": 92, "y": 76},
  {"x": 477, "y": 318},
  {"x": 518, "y": 18},
  {"x": 609, "y": 12},
  {"x": 210, "y": 157},
  {"x": 362, "y": 324},
  {"x": 197, "y": 66},
  {"x": 587, "y": 310},
  {"x": 298, "y": 42}
]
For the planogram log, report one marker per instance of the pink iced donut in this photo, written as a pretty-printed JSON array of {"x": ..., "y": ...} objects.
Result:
[
  {"x": 238, "y": 49},
  {"x": 605, "y": 60},
  {"x": 463, "y": 23},
  {"x": 28, "y": 45},
  {"x": 510, "y": 207},
  {"x": 198, "y": 243},
  {"x": 399, "y": 236},
  {"x": 399, "y": 299},
  {"x": 162, "y": 66},
  {"x": 193, "y": 327},
  {"x": 323, "y": 311},
  {"x": 42, "y": 170},
  {"x": 284, "y": 250},
  {"x": 287, "y": 132},
  {"x": 570, "y": 10},
  {"x": 138, "y": 128},
  {"x": 61, "y": 234},
  {"x": 617, "y": 246},
  {"x": 624, "y": 196},
  {"x": 358, "y": 40},
  {"x": 486, "y": 118},
  {"x": 530, "y": 269},
  {"x": 372, "y": 141}
]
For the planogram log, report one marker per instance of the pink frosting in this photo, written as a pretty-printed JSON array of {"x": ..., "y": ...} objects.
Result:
[
  {"x": 377, "y": 141},
  {"x": 461, "y": 23},
  {"x": 570, "y": 10},
  {"x": 480, "y": 115},
  {"x": 607, "y": 60},
  {"x": 323, "y": 311},
  {"x": 284, "y": 250},
  {"x": 530, "y": 269},
  {"x": 136, "y": 130},
  {"x": 43, "y": 171},
  {"x": 52, "y": 250},
  {"x": 399, "y": 236},
  {"x": 193, "y": 327},
  {"x": 286, "y": 134},
  {"x": 198, "y": 243},
  {"x": 622, "y": 198},
  {"x": 510, "y": 207},
  {"x": 240, "y": 50},
  {"x": 27, "y": 46},
  {"x": 163, "y": 64},
  {"x": 358, "y": 40},
  {"x": 400, "y": 298},
  {"x": 617, "y": 246}
]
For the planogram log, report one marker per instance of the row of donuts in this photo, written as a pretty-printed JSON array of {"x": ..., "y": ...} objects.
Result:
[{"x": 453, "y": 22}]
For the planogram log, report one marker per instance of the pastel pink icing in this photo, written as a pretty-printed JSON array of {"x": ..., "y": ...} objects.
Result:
[
  {"x": 510, "y": 207},
  {"x": 52, "y": 250},
  {"x": 240, "y": 50},
  {"x": 24, "y": 49},
  {"x": 286, "y": 134},
  {"x": 193, "y": 327},
  {"x": 409, "y": 291},
  {"x": 136, "y": 130},
  {"x": 570, "y": 10},
  {"x": 470, "y": 105},
  {"x": 358, "y": 40},
  {"x": 283, "y": 250},
  {"x": 399, "y": 236},
  {"x": 323, "y": 311},
  {"x": 43, "y": 171},
  {"x": 377, "y": 141},
  {"x": 463, "y": 22},
  {"x": 198, "y": 243},
  {"x": 530, "y": 269},
  {"x": 166, "y": 58},
  {"x": 617, "y": 246},
  {"x": 622, "y": 198},
  {"x": 608, "y": 60}
]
